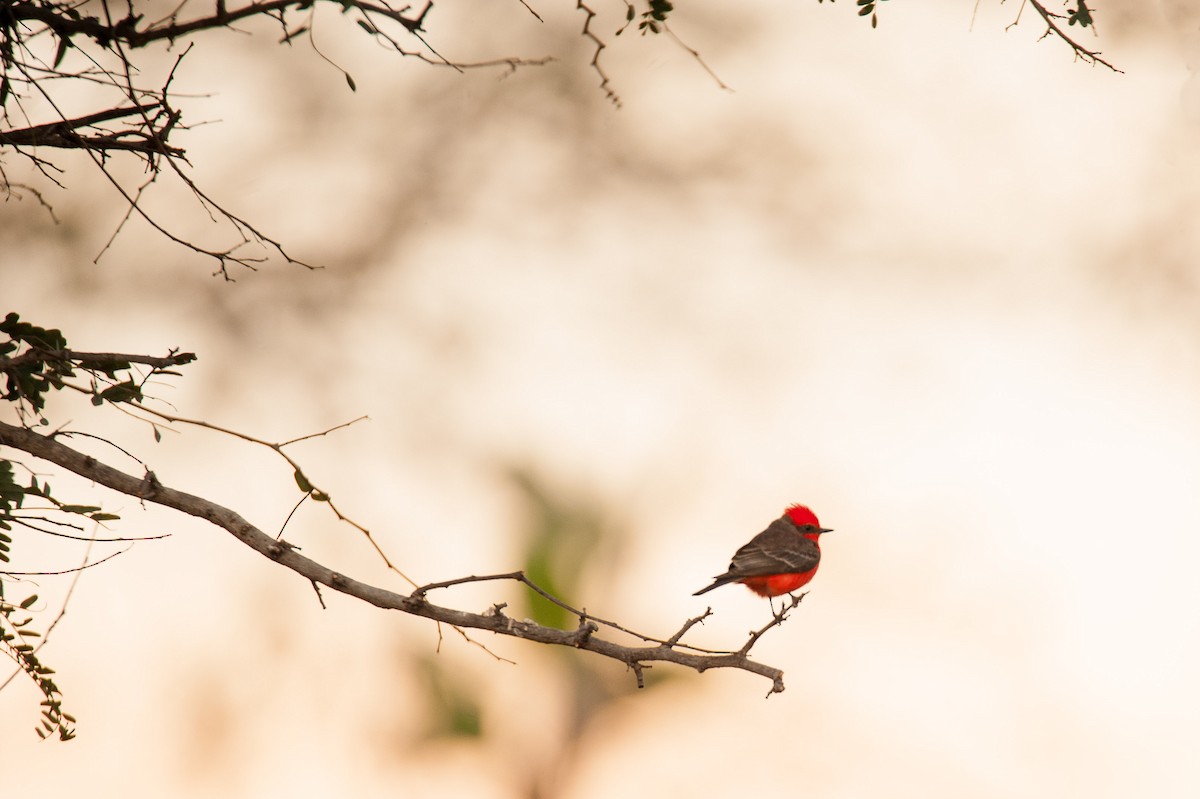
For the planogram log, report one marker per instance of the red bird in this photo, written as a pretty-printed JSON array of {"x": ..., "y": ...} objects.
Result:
[{"x": 778, "y": 560}]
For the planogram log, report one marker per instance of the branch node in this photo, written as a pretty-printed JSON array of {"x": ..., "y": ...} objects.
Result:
[
  {"x": 279, "y": 547},
  {"x": 687, "y": 625},
  {"x": 583, "y": 632},
  {"x": 151, "y": 485},
  {"x": 317, "y": 588},
  {"x": 638, "y": 669}
]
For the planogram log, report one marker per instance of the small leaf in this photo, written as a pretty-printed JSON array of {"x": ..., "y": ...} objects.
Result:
[
  {"x": 80, "y": 509},
  {"x": 303, "y": 483},
  {"x": 25, "y": 605},
  {"x": 319, "y": 496},
  {"x": 350, "y": 82},
  {"x": 122, "y": 392}
]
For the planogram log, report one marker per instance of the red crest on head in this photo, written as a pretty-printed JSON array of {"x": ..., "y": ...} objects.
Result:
[{"x": 801, "y": 515}]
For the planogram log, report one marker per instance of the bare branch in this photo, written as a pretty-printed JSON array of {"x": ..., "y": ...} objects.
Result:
[
  {"x": 600, "y": 45},
  {"x": 694, "y": 53},
  {"x": 142, "y": 119},
  {"x": 776, "y": 620},
  {"x": 584, "y": 637},
  {"x": 1091, "y": 56},
  {"x": 65, "y": 133},
  {"x": 127, "y": 31},
  {"x": 521, "y": 577},
  {"x": 65, "y": 571},
  {"x": 95, "y": 359}
]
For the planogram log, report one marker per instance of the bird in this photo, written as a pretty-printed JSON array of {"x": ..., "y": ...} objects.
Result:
[{"x": 780, "y": 559}]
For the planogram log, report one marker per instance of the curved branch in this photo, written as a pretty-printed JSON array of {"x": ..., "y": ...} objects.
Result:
[
  {"x": 65, "y": 133},
  {"x": 636, "y": 658},
  {"x": 95, "y": 359},
  {"x": 1052, "y": 28},
  {"x": 126, "y": 30}
]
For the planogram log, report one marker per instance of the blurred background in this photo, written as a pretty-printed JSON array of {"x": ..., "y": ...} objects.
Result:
[{"x": 936, "y": 280}]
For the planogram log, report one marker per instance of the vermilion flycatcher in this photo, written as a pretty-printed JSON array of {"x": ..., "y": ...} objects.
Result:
[{"x": 778, "y": 560}]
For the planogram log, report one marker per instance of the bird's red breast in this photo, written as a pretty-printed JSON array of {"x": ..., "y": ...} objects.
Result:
[{"x": 776, "y": 584}]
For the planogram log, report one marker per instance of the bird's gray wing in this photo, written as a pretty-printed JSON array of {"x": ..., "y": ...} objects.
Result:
[{"x": 779, "y": 549}]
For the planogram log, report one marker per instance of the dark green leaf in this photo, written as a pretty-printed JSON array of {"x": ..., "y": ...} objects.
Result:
[
  {"x": 122, "y": 392},
  {"x": 80, "y": 509},
  {"x": 303, "y": 483}
]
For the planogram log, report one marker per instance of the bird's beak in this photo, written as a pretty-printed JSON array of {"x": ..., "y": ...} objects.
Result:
[{"x": 823, "y": 530}]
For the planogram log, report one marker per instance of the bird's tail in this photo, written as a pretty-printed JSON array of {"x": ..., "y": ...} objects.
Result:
[{"x": 721, "y": 580}]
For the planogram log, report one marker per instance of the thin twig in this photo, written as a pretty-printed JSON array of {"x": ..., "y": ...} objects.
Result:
[
  {"x": 694, "y": 53},
  {"x": 600, "y": 45},
  {"x": 72, "y": 570},
  {"x": 1053, "y": 28},
  {"x": 521, "y": 577},
  {"x": 776, "y": 620}
]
